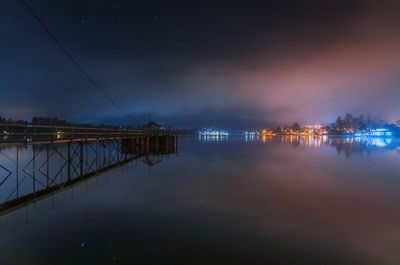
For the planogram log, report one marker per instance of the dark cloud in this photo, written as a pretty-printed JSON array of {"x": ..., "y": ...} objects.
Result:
[{"x": 305, "y": 60}]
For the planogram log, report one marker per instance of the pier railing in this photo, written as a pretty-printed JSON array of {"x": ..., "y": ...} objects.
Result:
[{"x": 32, "y": 170}]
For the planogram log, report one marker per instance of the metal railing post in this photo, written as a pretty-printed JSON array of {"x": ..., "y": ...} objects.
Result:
[
  {"x": 81, "y": 157},
  {"x": 69, "y": 160},
  {"x": 47, "y": 165},
  {"x": 17, "y": 172},
  {"x": 33, "y": 170}
]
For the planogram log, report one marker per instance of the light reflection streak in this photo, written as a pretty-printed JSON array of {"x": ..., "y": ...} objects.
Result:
[
  {"x": 213, "y": 138},
  {"x": 348, "y": 145}
]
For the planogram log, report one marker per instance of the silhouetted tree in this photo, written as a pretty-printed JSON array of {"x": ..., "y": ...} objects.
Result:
[
  {"x": 348, "y": 120},
  {"x": 295, "y": 127},
  {"x": 339, "y": 125}
]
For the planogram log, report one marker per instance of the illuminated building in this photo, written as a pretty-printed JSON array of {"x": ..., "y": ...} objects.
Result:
[
  {"x": 267, "y": 133},
  {"x": 213, "y": 133},
  {"x": 381, "y": 132}
]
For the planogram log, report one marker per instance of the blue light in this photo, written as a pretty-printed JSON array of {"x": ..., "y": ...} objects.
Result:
[
  {"x": 213, "y": 133},
  {"x": 381, "y": 142},
  {"x": 381, "y": 132}
]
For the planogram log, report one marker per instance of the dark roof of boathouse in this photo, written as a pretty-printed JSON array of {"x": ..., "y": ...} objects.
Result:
[{"x": 151, "y": 126}]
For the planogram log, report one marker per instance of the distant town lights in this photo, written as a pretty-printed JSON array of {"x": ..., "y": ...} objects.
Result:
[
  {"x": 213, "y": 133},
  {"x": 375, "y": 132}
]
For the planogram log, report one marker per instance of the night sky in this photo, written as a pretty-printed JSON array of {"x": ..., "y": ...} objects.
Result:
[{"x": 198, "y": 63}]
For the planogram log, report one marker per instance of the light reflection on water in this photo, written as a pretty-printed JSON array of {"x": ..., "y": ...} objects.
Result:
[
  {"x": 319, "y": 141},
  {"x": 288, "y": 200},
  {"x": 213, "y": 138}
]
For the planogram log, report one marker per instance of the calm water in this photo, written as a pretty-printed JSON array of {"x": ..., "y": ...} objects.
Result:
[{"x": 224, "y": 201}]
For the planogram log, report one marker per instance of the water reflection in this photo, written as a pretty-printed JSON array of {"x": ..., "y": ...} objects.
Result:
[
  {"x": 272, "y": 201},
  {"x": 32, "y": 171},
  {"x": 213, "y": 138},
  {"x": 346, "y": 145},
  {"x": 16, "y": 181}
]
